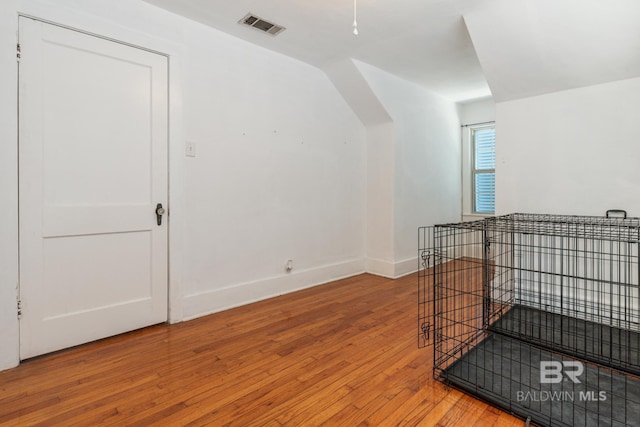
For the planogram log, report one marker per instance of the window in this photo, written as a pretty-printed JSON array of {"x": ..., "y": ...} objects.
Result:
[
  {"x": 478, "y": 122},
  {"x": 478, "y": 170},
  {"x": 483, "y": 174}
]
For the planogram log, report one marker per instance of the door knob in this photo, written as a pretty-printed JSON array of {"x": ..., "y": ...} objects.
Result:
[{"x": 159, "y": 212}]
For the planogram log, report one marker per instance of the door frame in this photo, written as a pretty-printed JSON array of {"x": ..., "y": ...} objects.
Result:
[{"x": 112, "y": 31}]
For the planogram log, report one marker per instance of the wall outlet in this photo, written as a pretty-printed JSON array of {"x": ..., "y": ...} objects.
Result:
[
  {"x": 289, "y": 265},
  {"x": 190, "y": 149}
]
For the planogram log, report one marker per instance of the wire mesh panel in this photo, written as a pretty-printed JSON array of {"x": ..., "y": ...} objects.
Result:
[
  {"x": 539, "y": 314},
  {"x": 575, "y": 285},
  {"x": 427, "y": 259},
  {"x": 458, "y": 293}
]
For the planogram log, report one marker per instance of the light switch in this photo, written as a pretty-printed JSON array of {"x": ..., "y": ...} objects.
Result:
[{"x": 190, "y": 149}]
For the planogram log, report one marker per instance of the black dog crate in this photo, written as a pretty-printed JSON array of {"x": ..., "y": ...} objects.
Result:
[{"x": 537, "y": 314}]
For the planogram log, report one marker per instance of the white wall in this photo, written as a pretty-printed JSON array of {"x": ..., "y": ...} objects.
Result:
[
  {"x": 280, "y": 174},
  {"x": 348, "y": 80},
  {"x": 380, "y": 196},
  {"x": 354, "y": 88},
  {"x": 570, "y": 152},
  {"x": 426, "y": 161},
  {"x": 477, "y": 111},
  {"x": 280, "y": 171}
]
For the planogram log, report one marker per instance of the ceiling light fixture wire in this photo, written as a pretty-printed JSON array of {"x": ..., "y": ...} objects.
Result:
[{"x": 355, "y": 15}]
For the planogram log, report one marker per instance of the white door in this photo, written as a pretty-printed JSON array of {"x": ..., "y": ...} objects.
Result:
[{"x": 93, "y": 166}]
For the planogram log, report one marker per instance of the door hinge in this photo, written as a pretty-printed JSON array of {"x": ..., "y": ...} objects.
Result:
[
  {"x": 19, "y": 309},
  {"x": 18, "y": 51}
]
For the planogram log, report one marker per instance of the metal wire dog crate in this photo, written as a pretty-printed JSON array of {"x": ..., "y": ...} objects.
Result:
[{"x": 538, "y": 314}]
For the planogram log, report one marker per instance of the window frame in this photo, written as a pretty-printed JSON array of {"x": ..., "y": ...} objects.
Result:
[
  {"x": 475, "y": 172},
  {"x": 469, "y": 212}
]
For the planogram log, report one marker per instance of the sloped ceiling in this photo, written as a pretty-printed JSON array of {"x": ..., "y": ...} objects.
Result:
[
  {"x": 532, "y": 47},
  {"x": 456, "y": 48},
  {"x": 423, "y": 41}
]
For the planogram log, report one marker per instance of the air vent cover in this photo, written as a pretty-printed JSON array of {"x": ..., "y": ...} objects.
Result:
[{"x": 262, "y": 25}]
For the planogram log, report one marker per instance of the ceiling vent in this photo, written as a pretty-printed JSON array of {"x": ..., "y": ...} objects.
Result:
[{"x": 261, "y": 24}]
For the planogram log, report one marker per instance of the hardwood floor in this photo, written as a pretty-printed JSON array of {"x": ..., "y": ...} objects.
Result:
[{"x": 341, "y": 354}]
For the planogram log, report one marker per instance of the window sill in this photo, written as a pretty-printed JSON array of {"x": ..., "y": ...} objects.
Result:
[{"x": 475, "y": 216}]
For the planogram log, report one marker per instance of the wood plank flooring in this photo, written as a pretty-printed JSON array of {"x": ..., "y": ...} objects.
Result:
[{"x": 340, "y": 354}]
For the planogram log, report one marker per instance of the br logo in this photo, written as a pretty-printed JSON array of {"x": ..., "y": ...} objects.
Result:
[{"x": 552, "y": 372}]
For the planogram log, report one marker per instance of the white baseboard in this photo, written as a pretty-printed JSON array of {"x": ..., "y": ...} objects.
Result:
[
  {"x": 391, "y": 270},
  {"x": 379, "y": 267},
  {"x": 406, "y": 267},
  {"x": 208, "y": 302}
]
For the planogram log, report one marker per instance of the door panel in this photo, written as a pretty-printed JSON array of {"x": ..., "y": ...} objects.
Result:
[
  {"x": 72, "y": 261},
  {"x": 93, "y": 165}
]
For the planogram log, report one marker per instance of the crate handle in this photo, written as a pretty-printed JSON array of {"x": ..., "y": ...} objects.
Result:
[{"x": 617, "y": 212}]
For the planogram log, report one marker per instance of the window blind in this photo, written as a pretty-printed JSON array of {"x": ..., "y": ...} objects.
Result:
[{"x": 484, "y": 176}]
